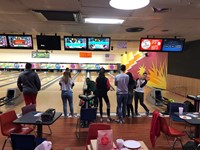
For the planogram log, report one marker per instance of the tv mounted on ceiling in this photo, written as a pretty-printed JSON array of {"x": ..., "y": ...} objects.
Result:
[
  {"x": 20, "y": 41},
  {"x": 99, "y": 43},
  {"x": 75, "y": 43},
  {"x": 151, "y": 44},
  {"x": 48, "y": 42},
  {"x": 173, "y": 45},
  {"x": 3, "y": 41}
]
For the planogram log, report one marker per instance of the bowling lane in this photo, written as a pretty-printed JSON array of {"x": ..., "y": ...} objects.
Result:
[
  {"x": 9, "y": 75},
  {"x": 6, "y": 73},
  {"x": 51, "y": 96},
  {"x": 50, "y": 77},
  {"x": 44, "y": 76}
]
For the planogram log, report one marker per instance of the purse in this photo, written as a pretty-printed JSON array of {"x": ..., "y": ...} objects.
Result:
[{"x": 48, "y": 115}]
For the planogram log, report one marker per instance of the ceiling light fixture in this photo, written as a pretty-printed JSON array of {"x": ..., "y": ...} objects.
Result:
[
  {"x": 103, "y": 21},
  {"x": 129, "y": 4}
]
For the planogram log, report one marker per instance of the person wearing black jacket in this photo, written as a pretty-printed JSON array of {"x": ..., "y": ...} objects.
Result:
[
  {"x": 139, "y": 93},
  {"x": 131, "y": 87},
  {"x": 102, "y": 88}
]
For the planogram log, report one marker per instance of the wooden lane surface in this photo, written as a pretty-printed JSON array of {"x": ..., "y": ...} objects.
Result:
[{"x": 51, "y": 97}]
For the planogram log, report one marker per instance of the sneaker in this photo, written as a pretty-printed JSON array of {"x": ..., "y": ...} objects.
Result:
[
  {"x": 118, "y": 121},
  {"x": 101, "y": 119},
  {"x": 70, "y": 116},
  {"x": 147, "y": 113},
  {"x": 137, "y": 114},
  {"x": 123, "y": 121},
  {"x": 109, "y": 119}
]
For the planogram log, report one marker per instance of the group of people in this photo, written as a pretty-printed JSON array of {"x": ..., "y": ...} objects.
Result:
[
  {"x": 126, "y": 87},
  {"x": 29, "y": 83}
]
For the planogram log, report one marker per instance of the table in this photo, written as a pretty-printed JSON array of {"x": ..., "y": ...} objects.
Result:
[
  {"x": 93, "y": 145},
  {"x": 195, "y": 121},
  {"x": 34, "y": 119}
]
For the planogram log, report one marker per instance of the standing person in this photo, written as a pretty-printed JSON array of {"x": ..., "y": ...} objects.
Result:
[
  {"x": 131, "y": 87},
  {"x": 29, "y": 83},
  {"x": 102, "y": 87},
  {"x": 139, "y": 93},
  {"x": 121, "y": 81},
  {"x": 67, "y": 70},
  {"x": 67, "y": 94}
]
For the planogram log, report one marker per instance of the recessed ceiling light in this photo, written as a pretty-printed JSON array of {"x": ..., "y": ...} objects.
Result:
[
  {"x": 129, "y": 4},
  {"x": 103, "y": 21}
]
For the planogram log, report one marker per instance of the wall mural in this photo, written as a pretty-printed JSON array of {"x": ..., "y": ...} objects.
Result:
[{"x": 155, "y": 64}]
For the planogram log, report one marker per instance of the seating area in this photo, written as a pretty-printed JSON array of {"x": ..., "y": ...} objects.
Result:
[
  {"x": 65, "y": 132},
  {"x": 135, "y": 128},
  {"x": 7, "y": 126},
  {"x": 25, "y": 142}
]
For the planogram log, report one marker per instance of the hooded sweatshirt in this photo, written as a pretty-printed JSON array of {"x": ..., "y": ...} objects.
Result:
[{"x": 29, "y": 82}]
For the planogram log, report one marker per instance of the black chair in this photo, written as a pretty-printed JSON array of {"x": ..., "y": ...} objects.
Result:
[
  {"x": 25, "y": 142},
  {"x": 86, "y": 115},
  {"x": 174, "y": 107}
]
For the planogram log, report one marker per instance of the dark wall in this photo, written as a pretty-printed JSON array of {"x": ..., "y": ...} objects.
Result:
[{"x": 187, "y": 63}]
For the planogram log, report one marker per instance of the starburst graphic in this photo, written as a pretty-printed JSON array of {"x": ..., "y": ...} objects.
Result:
[
  {"x": 157, "y": 75},
  {"x": 141, "y": 70}
]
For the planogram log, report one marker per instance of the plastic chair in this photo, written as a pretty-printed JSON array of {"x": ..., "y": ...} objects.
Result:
[
  {"x": 155, "y": 127},
  {"x": 32, "y": 107},
  {"x": 93, "y": 131},
  {"x": 25, "y": 142},
  {"x": 86, "y": 114},
  {"x": 170, "y": 132},
  {"x": 7, "y": 126},
  {"x": 28, "y": 108}
]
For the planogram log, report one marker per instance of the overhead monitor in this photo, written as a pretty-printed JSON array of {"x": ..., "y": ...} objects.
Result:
[
  {"x": 20, "y": 41},
  {"x": 75, "y": 43},
  {"x": 3, "y": 41},
  {"x": 48, "y": 42},
  {"x": 173, "y": 45},
  {"x": 99, "y": 43},
  {"x": 151, "y": 44}
]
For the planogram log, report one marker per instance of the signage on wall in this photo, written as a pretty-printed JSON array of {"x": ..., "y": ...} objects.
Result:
[
  {"x": 122, "y": 44},
  {"x": 40, "y": 55},
  {"x": 85, "y": 54}
]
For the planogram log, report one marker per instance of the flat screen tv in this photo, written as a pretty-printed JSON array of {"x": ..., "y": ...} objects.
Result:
[
  {"x": 75, "y": 43},
  {"x": 99, "y": 43},
  {"x": 151, "y": 44},
  {"x": 173, "y": 45},
  {"x": 48, "y": 42},
  {"x": 20, "y": 41},
  {"x": 3, "y": 41}
]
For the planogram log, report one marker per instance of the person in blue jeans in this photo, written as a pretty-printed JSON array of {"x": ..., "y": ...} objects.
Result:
[
  {"x": 121, "y": 81},
  {"x": 66, "y": 84}
]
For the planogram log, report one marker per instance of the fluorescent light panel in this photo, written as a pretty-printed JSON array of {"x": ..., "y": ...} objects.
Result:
[
  {"x": 103, "y": 21},
  {"x": 129, "y": 4}
]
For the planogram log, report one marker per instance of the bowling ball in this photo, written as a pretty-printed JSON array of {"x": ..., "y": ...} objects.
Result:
[{"x": 170, "y": 100}]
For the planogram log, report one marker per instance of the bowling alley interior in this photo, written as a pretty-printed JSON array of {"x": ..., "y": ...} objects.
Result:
[{"x": 158, "y": 38}]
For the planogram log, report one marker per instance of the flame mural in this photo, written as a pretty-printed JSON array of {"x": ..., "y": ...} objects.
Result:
[{"x": 155, "y": 65}]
